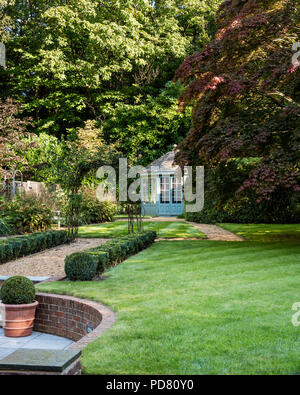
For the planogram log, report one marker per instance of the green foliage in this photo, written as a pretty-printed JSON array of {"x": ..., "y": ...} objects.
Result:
[
  {"x": 44, "y": 149},
  {"x": 87, "y": 151},
  {"x": 246, "y": 211},
  {"x": 84, "y": 265},
  {"x": 92, "y": 211},
  {"x": 6, "y": 22},
  {"x": 148, "y": 127},
  {"x": 17, "y": 290},
  {"x": 18, "y": 246},
  {"x": 80, "y": 267},
  {"x": 26, "y": 213},
  {"x": 4, "y": 227},
  {"x": 223, "y": 204},
  {"x": 70, "y": 62}
]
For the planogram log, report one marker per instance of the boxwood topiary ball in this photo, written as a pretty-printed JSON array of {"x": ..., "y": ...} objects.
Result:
[
  {"x": 80, "y": 266},
  {"x": 17, "y": 290}
]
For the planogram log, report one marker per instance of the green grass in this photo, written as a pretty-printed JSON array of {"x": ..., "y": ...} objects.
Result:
[
  {"x": 265, "y": 232},
  {"x": 163, "y": 229},
  {"x": 198, "y": 307},
  {"x": 125, "y": 216}
]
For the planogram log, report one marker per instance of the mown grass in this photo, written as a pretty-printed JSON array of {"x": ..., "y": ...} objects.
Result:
[
  {"x": 166, "y": 230},
  {"x": 198, "y": 307},
  {"x": 265, "y": 232},
  {"x": 125, "y": 216}
]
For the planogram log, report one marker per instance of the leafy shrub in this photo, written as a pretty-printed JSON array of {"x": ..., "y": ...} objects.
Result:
[
  {"x": 92, "y": 211},
  {"x": 17, "y": 290},
  {"x": 245, "y": 211},
  {"x": 80, "y": 266},
  {"x": 4, "y": 228},
  {"x": 26, "y": 213},
  {"x": 108, "y": 254},
  {"x": 222, "y": 203},
  {"x": 18, "y": 246}
]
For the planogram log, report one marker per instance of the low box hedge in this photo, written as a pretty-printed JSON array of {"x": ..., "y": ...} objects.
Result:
[
  {"x": 86, "y": 264},
  {"x": 19, "y": 246}
]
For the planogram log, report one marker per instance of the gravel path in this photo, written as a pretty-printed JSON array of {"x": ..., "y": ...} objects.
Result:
[
  {"x": 49, "y": 262},
  {"x": 214, "y": 232}
]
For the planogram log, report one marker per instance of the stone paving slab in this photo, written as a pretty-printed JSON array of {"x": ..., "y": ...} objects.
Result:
[
  {"x": 39, "y": 360},
  {"x": 36, "y": 340},
  {"x": 34, "y": 279},
  {"x": 42, "y": 342},
  {"x": 4, "y": 352}
]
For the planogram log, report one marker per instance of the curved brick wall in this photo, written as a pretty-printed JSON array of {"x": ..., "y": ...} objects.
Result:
[{"x": 76, "y": 319}]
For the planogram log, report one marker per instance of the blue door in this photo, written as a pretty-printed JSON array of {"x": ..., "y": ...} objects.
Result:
[{"x": 170, "y": 200}]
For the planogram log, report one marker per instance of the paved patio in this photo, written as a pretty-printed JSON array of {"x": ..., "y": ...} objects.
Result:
[{"x": 37, "y": 340}]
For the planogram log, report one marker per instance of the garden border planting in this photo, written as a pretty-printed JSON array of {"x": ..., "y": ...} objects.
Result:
[
  {"x": 19, "y": 246},
  {"x": 85, "y": 265}
]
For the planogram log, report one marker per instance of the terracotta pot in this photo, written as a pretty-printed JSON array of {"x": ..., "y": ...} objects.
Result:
[{"x": 18, "y": 319}]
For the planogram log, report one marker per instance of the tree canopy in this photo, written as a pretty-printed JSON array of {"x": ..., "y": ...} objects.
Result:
[
  {"x": 245, "y": 93},
  {"x": 62, "y": 56}
]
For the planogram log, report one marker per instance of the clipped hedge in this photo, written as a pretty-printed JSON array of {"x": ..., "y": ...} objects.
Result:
[
  {"x": 18, "y": 246},
  {"x": 86, "y": 264},
  {"x": 80, "y": 266}
]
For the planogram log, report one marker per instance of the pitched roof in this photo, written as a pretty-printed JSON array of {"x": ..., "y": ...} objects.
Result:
[{"x": 165, "y": 162}]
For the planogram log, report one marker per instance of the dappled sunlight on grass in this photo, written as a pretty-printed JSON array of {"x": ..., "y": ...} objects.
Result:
[
  {"x": 163, "y": 229},
  {"x": 265, "y": 232}
]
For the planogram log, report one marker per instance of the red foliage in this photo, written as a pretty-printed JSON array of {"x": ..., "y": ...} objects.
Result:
[
  {"x": 246, "y": 94},
  {"x": 12, "y": 133}
]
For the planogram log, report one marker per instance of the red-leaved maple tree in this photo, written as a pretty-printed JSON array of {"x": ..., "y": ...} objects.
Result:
[{"x": 245, "y": 91}]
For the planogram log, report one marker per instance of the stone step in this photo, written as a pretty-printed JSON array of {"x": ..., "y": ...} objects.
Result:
[{"x": 41, "y": 361}]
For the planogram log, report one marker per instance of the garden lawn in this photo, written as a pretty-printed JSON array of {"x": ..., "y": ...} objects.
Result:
[
  {"x": 125, "y": 216},
  {"x": 197, "y": 307},
  {"x": 265, "y": 232},
  {"x": 166, "y": 230}
]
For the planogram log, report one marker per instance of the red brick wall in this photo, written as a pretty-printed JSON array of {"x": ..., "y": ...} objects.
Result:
[{"x": 65, "y": 316}]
